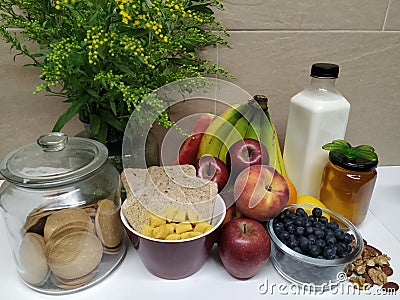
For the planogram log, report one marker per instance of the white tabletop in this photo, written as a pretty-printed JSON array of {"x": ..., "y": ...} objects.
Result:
[{"x": 132, "y": 281}]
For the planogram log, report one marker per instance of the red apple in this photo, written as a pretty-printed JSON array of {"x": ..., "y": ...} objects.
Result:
[
  {"x": 188, "y": 150},
  {"x": 261, "y": 192},
  {"x": 245, "y": 153},
  {"x": 213, "y": 169},
  {"x": 244, "y": 247}
]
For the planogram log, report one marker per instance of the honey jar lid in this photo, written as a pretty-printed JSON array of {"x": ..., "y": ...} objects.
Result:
[
  {"x": 54, "y": 160},
  {"x": 354, "y": 164}
]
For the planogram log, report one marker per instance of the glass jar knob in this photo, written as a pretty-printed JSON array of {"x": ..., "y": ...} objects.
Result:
[{"x": 53, "y": 141}]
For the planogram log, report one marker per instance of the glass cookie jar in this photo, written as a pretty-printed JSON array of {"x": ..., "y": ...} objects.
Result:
[{"x": 60, "y": 204}]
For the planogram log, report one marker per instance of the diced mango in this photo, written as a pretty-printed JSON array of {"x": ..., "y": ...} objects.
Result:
[
  {"x": 202, "y": 227},
  {"x": 196, "y": 233},
  {"x": 147, "y": 230},
  {"x": 190, "y": 234},
  {"x": 175, "y": 225},
  {"x": 161, "y": 232},
  {"x": 173, "y": 236},
  {"x": 183, "y": 227},
  {"x": 157, "y": 221},
  {"x": 171, "y": 227}
]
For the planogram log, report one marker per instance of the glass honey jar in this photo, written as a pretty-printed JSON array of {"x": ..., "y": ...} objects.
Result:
[{"x": 348, "y": 182}]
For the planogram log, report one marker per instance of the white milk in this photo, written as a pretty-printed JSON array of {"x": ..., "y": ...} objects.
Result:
[{"x": 317, "y": 115}]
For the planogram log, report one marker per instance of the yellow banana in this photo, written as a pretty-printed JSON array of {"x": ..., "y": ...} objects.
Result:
[
  {"x": 219, "y": 129},
  {"x": 279, "y": 160},
  {"x": 245, "y": 120},
  {"x": 237, "y": 133},
  {"x": 269, "y": 137}
]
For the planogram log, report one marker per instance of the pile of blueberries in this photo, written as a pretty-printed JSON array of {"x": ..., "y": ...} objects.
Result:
[{"x": 312, "y": 235}]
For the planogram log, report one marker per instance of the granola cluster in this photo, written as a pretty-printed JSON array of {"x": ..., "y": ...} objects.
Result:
[{"x": 371, "y": 268}]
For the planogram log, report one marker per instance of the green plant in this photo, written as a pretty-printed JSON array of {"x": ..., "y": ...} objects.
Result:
[{"x": 106, "y": 56}]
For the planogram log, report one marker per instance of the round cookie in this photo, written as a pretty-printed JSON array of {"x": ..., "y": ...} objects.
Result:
[
  {"x": 69, "y": 284},
  {"x": 75, "y": 255},
  {"x": 108, "y": 224},
  {"x": 77, "y": 226},
  {"x": 33, "y": 263},
  {"x": 62, "y": 217}
]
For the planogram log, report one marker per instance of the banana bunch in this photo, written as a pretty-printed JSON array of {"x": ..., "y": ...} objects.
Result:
[{"x": 245, "y": 120}]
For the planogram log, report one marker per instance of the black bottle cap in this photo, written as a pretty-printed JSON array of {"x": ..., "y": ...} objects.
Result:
[
  {"x": 325, "y": 70},
  {"x": 354, "y": 164}
]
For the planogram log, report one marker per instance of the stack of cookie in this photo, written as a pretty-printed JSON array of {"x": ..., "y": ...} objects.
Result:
[{"x": 68, "y": 244}]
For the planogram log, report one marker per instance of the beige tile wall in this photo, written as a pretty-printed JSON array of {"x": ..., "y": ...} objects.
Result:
[{"x": 274, "y": 43}]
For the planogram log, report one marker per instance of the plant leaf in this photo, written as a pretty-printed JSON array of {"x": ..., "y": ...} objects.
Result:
[
  {"x": 68, "y": 115},
  {"x": 341, "y": 146},
  {"x": 111, "y": 119},
  {"x": 95, "y": 123}
]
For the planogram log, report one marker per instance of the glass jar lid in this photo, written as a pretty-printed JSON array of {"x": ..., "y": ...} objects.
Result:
[{"x": 54, "y": 160}]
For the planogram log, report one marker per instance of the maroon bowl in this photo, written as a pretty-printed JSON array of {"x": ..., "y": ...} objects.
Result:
[{"x": 177, "y": 259}]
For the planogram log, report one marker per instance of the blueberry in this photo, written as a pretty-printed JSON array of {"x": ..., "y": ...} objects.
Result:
[
  {"x": 299, "y": 221},
  {"x": 278, "y": 227},
  {"x": 298, "y": 249},
  {"x": 280, "y": 217},
  {"x": 332, "y": 225},
  {"x": 290, "y": 228},
  {"x": 348, "y": 249},
  {"x": 319, "y": 225},
  {"x": 341, "y": 249},
  {"x": 287, "y": 222},
  {"x": 301, "y": 212},
  {"x": 309, "y": 230},
  {"x": 283, "y": 236},
  {"x": 328, "y": 232},
  {"x": 320, "y": 257},
  {"x": 321, "y": 243},
  {"x": 339, "y": 235},
  {"x": 307, "y": 223},
  {"x": 323, "y": 220},
  {"x": 329, "y": 252},
  {"x": 312, "y": 239},
  {"x": 312, "y": 219},
  {"x": 347, "y": 238},
  {"x": 299, "y": 231},
  {"x": 289, "y": 214},
  {"x": 304, "y": 243},
  {"x": 330, "y": 239},
  {"x": 293, "y": 241},
  {"x": 314, "y": 250},
  {"x": 319, "y": 233},
  {"x": 317, "y": 212}
]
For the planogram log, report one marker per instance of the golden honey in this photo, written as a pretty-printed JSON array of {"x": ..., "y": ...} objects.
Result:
[{"x": 347, "y": 187}]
